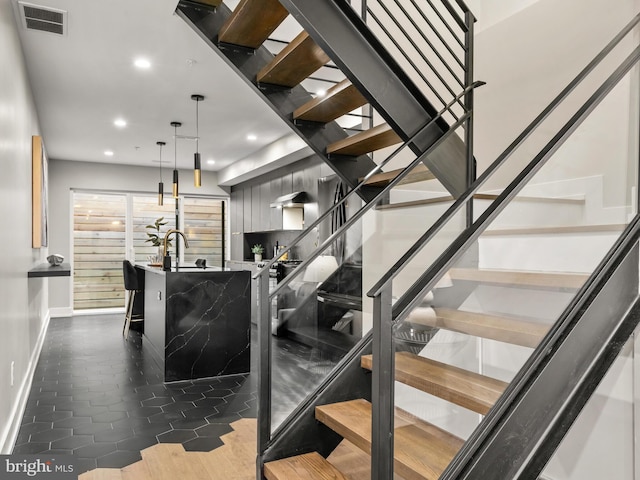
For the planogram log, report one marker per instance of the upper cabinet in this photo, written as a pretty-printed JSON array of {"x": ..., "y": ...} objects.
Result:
[{"x": 251, "y": 211}]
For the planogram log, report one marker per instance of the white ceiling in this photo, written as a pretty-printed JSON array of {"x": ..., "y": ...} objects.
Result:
[{"x": 86, "y": 79}]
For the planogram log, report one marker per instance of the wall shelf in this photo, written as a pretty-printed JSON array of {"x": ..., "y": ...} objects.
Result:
[{"x": 46, "y": 270}]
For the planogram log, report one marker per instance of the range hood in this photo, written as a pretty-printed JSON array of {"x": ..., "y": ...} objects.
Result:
[{"x": 295, "y": 199}]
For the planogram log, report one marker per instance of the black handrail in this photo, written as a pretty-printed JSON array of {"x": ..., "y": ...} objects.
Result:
[{"x": 473, "y": 189}]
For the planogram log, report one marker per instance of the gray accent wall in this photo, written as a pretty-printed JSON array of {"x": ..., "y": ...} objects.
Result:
[
  {"x": 66, "y": 176},
  {"x": 23, "y": 302}
]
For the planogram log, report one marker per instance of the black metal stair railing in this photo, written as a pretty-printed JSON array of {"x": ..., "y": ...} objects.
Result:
[
  {"x": 408, "y": 108},
  {"x": 477, "y": 459},
  {"x": 402, "y": 92},
  {"x": 266, "y": 296}
]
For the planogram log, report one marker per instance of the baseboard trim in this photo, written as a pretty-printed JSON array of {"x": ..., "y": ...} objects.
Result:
[
  {"x": 10, "y": 434},
  {"x": 61, "y": 312}
]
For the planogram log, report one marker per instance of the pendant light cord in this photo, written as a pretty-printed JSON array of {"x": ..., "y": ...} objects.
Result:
[
  {"x": 197, "y": 127},
  {"x": 175, "y": 145},
  {"x": 160, "y": 163}
]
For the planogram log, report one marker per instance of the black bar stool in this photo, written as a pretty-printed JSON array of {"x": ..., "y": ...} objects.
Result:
[{"x": 131, "y": 285}]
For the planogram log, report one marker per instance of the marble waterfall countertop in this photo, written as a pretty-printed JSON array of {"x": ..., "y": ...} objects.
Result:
[{"x": 197, "y": 321}]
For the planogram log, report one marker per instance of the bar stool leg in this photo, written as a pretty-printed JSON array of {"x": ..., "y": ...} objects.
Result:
[{"x": 128, "y": 314}]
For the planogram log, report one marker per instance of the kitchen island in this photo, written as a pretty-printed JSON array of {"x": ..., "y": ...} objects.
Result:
[{"x": 197, "y": 321}]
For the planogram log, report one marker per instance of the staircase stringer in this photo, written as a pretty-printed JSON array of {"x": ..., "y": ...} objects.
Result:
[{"x": 207, "y": 22}]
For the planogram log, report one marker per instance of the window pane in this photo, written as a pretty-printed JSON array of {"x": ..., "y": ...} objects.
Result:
[
  {"x": 145, "y": 212},
  {"x": 203, "y": 225},
  {"x": 99, "y": 249}
]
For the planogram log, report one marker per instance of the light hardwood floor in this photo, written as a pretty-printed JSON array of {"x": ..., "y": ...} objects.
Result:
[{"x": 235, "y": 460}]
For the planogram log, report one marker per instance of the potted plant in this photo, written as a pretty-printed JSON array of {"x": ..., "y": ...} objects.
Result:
[
  {"x": 155, "y": 237},
  {"x": 257, "y": 251}
]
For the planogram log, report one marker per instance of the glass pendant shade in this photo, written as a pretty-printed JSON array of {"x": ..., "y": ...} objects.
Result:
[{"x": 197, "y": 173}]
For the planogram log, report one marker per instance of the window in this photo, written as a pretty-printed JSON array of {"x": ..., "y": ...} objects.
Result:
[
  {"x": 145, "y": 212},
  {"x": 203, "y": 225},
  {"x": 99, "y": 248},
  {"x": 111, "y": 227}
]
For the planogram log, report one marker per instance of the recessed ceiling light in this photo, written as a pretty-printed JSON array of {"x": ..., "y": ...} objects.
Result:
[
  {"x": 142, "y": 63},
  {"x": 211, "y": 161},
  {"x": 108, "y": 153},
  {"x": 321, "y": 93},
  {"x": 251, "y": 137},
  {"x": 120, "y": 122}
]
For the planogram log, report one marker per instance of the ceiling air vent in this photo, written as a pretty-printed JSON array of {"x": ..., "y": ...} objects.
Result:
[{"x": 45, "y": 19}]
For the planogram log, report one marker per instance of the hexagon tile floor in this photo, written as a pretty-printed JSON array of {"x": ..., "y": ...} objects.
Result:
[{"x": 98, "y": 398}]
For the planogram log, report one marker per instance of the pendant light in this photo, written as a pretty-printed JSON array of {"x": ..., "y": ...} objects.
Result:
[
  {"x": 160, "y": 184},
  {"x": 197, "y": 173},
  {"x": 175, "y": 126}
]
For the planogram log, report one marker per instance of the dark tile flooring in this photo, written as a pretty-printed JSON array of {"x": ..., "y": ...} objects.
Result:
[{"x": 100, "y": 399}]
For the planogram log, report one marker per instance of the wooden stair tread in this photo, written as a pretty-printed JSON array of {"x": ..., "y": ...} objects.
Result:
[
  {"x": 294, "y": 63},
  {"x": 340, "y": 99},
  {"x": 468, "y": 389},
  {"x": 519, "y": 278},
  {"x": 421, "y": 450},
  {"x": 420, "y": 173},
  {"x": 375, "y": 138},
  {"x": 252, "y": 22},
  {"x": 504, "y": 329},
  {"x": 308, "y": 465}
]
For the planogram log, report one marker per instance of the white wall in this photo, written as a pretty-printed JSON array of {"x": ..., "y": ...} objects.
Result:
[
  {"x": 526, "y": 60},
  {"x": 23, "y": 302},
  {"x": 65, "y": 176}
]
